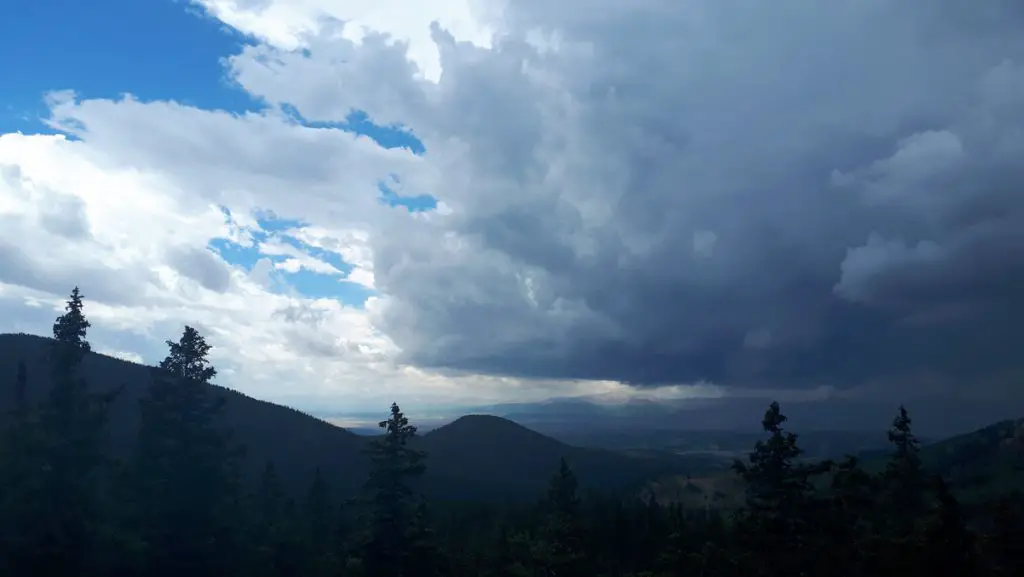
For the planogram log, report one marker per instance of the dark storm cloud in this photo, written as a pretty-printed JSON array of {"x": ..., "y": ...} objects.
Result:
[
  {"x": 202, "y": 266},
  {"x": 859, "y": 165}
]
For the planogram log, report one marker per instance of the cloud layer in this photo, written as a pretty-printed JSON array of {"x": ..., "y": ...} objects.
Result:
[
  {"x": 762, "y": 196},
  {"x": 784, "y": 194}
]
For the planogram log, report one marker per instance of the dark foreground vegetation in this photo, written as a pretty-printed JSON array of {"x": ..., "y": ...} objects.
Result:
[{"x": 90, "y": 488}]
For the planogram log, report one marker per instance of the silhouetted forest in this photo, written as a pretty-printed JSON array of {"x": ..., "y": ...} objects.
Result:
[{"x": 176, "y": 476}]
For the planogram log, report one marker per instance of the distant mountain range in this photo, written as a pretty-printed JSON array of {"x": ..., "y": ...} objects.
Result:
[
  {"x": 476, "y": 456},
  {"x": 611, "y": 447},
  {"x": 980, "y": 466},
  {"x": 935, "y": 418}
]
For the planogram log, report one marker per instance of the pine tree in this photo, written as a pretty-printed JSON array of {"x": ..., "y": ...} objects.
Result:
[
  {"x": 270, "y": 498},
  {"x": 71, "y": 327},
  {"x": 775, "y": 482},
  {"x": 188, "y": 358},
  {"x": 389, "y": 543},
  {"x": 183, "y": 476},
  {"x": 654, "y": 534},
  {"x": 273, "y": 535},
  {"x": 903, "y": 501},
  {"x": 904, "y": 477},
  {"x": 563, "y": 492},
  {"x": 1006, "y": 536},
  {"x": 950, "y": 547},
  {"x": 67, "y": 441},
  {"x": 779, "y": 515},
  {"x": 424, "y": 556},
  {"x": 18, "y": 466},
  {"x": 318, "y": 506},
  {"x": 904, "y": 472},
  {"x": 319, "y": 528},
  {"x": 561, "y": 540},
  {"x": 852, "y": 518},
  {"x": 21, "y": 414}
]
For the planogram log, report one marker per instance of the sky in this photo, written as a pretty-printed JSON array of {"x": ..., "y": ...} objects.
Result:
[{"x": 468, "y": 202}]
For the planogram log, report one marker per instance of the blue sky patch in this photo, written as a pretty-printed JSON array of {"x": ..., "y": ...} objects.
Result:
[
  {"x": 165, "y": 50},
  {"x": 416, "y": 203},
  {"x": 332, "y": 258},
  {"x": 313, "y": 285},
  {"x": 358, "y": 122},
  {"x": 139, "y": 51},
  {"x": 304, "y": 282},
  {"x": 236, "y": 254},
  {"x": 396, "y": 136}
]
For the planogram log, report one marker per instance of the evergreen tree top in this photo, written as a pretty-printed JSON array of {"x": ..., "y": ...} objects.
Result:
[
  {"x": 188, "y": 357},
  {"x": 71, "y": 327},
  {"x": 562, "y": 490},
  {"x": 906, "y": 460},
  {"x": 390, "y": 454},
  {"x": 397, "y": 427}
]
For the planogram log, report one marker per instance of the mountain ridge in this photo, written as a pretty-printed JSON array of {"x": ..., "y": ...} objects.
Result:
[
  {"x": 934, "y": 417},
  {"x": 475, "y": 456}
]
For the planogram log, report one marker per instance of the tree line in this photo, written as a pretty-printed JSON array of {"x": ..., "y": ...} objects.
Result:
[{"x": 177, "y": 505}]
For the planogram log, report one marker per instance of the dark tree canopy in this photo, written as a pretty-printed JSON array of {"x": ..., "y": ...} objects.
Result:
[
  {"x": 390, "y": 547},
  {"x": 188, "y": 357},
  {"x": 71, "y": 327},
  {"x": 182, "y": 477}
]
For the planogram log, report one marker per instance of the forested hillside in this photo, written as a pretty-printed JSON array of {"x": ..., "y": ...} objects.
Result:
[
  {"x": 109, "y": 468},
  {"x": 481, "y": 457},
  {"x": 980, "y": 467},
  {"x": 485, "y": 457},
  {"x": 306, "y": 443}
]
